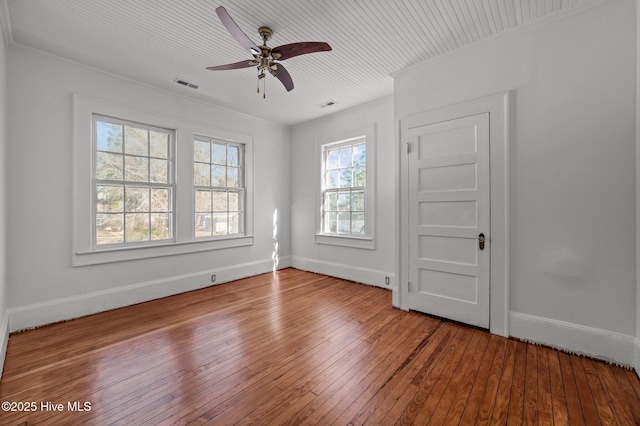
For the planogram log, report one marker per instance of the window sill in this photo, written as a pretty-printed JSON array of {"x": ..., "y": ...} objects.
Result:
[
  {"x": 122, "y": 254},
  {"x": 344, "y": 241}
]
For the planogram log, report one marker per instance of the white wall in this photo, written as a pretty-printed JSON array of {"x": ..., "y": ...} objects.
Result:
[
  {"x": 357, "y": 264},
  {"x": 572, "y": 169},
  {"x": 4, "y": 317},
  {"x": 43, "y": 285},
  {"x": 637, "y": 343}
]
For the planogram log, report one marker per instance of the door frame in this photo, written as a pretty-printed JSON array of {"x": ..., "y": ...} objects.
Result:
[{"x": 498, "y": 108}]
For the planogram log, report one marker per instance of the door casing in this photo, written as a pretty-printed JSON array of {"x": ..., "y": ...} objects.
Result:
[{"x": 498, "y": 107}]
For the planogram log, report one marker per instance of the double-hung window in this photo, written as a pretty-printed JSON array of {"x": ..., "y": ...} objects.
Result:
[
  {"x": 344, "y": 186},
  {"x": 346, "y": 190},
  {"x": 147, "y": 185},
  {"x": 218, "y": 179},
  {"x": 133, "y": 183}
]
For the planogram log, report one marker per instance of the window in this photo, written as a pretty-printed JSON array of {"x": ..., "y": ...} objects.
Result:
[
  {"x": 347, "y": 189},
  {"x": 344, "y": 186},
  {"x": 133, "y": 183},
  {"x": 219, "y": 189},
  {"x": 134, "y": 193}
]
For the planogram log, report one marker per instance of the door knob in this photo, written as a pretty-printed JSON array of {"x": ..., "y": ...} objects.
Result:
[{"x": 481, "y": 241}]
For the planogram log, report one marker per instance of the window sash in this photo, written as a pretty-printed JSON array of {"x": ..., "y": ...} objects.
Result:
[
  {"x": 211, "y": 221},
  {"x": 124, "y": 214},
  {"x": 340, "y": 182}
]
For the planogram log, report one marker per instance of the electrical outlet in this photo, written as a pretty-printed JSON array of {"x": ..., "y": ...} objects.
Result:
[
  {"x": 387, "y": 280},
  {"x": 213, "y": 278}
]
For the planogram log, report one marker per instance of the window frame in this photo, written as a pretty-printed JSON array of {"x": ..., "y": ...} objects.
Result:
[
  {"x": 169, "y": 185},
  {"x": 83, "y": 219},
  {"x": 367, "y": 240},
  {"x": 240, "y": 189}
]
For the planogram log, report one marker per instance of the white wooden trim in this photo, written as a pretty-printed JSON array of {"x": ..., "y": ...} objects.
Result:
[
  {"x": 593, "y": 342},
  {"x": 498, "y": 107},
  {"x": 636, "y": 356},
  {"x": 348, "y": 272},
  {"x": 67, "y": 308},
  {"x": 4, "y": 335}
]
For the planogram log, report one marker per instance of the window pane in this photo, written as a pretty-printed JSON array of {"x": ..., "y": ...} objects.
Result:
[
  {"x": 232, "y": 177},
  {"x": 160, "y": 200},
  {"x": 333, "y": 177},
  {"x": 232, "y": 156},
  {"x": 234, "y": 201},
  {"x": 332, "y": 159},
  {"x": 344, "y": 223},
  {"x": 359, "y": 176},
  {"x": 345, "y": 156},
  {"x": 357, "y": 201},
  {"x": 359, "y": 155},
  {"x": 218, "y": 154},
  {"x": 109, "y": 228},
  {"x": 136, "y": 169},
  {"x": 203, "y": 201},
  {"x": 108, "y": 136},
  {"x": 345, "y": 178},
  {"x": 137, "y": 227},
  {"x": 108, "y": 166},
  {"x": 219, "y": 201},
  {"x": 332, "y": 202},
  {"x": 234, "y": 219},
  {"x": 136, "y": 199},
  {"x": 357, "y": 223},
  {"x": 331, "y": 222},
  {"x": 136, "y": 141},
  {"x": 109, "y": 198},
  {"x": 203, "y": 225},
  {"x": 202, "y": 151},
  {"x": 160, "y": 226},
  {"x": 159, "y": 144},
  {"x": 159, "y": 171},
  {"x": 219, "y": 223},
  {"x": 344, "y": 203},
  {"x": 201, "y": 174},
  {"x": 218, "y": 176}
]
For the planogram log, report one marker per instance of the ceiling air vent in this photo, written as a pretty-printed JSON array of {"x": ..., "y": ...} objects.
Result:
[{"x": 185, "y": 83}]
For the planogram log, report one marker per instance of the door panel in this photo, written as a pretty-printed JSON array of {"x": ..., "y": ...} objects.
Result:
[{"x": 448, "y": 209}]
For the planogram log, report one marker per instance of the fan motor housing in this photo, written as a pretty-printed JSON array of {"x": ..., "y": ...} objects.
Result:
[{"x": 265, "y": 33}]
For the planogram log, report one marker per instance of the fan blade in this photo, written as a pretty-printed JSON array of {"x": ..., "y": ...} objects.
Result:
[
  {"x": 283, "y": 75},
  {"x": 287, "y": 51},
  {"x": 236, "y": 32},
  {"x": 234, "y": 66}
]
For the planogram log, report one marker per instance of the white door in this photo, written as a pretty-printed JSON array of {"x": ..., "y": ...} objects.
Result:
[{"x": 448, "y": 219}]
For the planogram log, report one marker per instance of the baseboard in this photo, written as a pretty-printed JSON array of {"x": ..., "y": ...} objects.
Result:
[
  {"x": 636, "y": 352},
  {"x": 4, "y": 335},
  {"x": 348, "y": 272},
  {"x": 593, "y": 342},
  {"x": 67, "y": 308}
]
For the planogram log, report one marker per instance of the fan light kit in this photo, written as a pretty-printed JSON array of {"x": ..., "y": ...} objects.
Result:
[{"x": 265, "y": 57}]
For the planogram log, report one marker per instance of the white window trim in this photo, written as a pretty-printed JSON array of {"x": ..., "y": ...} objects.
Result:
[
  {"x": 83, "y": 251},
  {"x": 368, "y": 240}
]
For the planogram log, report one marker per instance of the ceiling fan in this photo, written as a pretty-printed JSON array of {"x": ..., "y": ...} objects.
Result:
[{"x": 265, "y": 57}]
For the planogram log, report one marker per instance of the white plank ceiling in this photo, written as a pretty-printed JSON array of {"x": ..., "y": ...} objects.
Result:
[{"x": 157, "y": 41}]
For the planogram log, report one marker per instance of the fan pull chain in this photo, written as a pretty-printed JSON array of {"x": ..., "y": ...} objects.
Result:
[{"x": 264, "y": 88}]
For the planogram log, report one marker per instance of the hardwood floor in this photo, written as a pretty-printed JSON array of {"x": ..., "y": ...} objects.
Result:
[{"x": 299, "y": 348}]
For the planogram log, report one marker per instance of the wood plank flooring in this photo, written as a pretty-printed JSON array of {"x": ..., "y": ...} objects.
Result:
[{"x": 299, "y": 348}]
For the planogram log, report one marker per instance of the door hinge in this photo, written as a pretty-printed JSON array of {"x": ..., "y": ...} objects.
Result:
[
  {"x": 408, "y": 147},
  {"x": 409, "y": 286}
]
